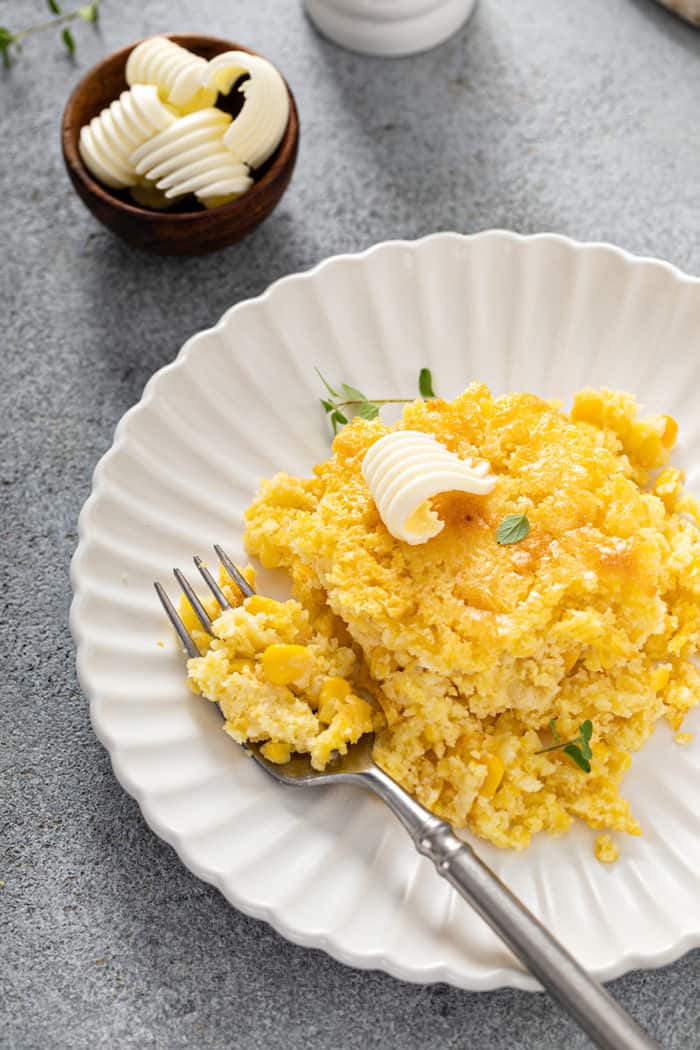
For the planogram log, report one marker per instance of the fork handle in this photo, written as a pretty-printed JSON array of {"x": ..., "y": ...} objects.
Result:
[{"x": 591, "y": 1006}]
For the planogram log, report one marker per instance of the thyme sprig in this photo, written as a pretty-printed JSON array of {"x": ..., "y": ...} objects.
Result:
[
  {"x": 352, "y": 402},
  {"x": 11, "y": 40},
  {"x": 578, "y": 749}
]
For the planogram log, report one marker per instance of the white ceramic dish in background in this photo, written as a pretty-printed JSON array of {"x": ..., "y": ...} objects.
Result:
[
  {"x": 334, "y": 870},
  {"x": 389, "y": 27}
]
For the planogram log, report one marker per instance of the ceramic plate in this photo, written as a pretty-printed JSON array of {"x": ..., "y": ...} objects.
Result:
[{"x": 332, "y": 869}]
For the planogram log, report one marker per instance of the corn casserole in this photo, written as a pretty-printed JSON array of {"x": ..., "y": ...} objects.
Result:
[{"x": 466, "y": 655}]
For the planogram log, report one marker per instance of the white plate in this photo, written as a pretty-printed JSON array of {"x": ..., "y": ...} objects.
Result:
[{"x": 332, "y": 869}]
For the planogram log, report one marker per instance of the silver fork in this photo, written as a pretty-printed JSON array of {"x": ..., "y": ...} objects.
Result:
[{"x": 591, "y": 1006}]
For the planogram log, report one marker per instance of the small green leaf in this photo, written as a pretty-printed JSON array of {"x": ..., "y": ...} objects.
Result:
[
  {"x": 89, "y": 12},
  {"x": 586, "y": 749},
  {"x": 329, "y": 388},
  {"x": 578, "y": 750},
  {"x": 572, "y": 750},
  {"x": 337, "y": 418},
  {"x": 368, "y": 410},
  {"x": 512, "y": 529},
  {"x": 54, "y": 8},
  {"x": 7, "y": 39},
  {"x": 328, "y": 405},
  {"x": 352, "y": 393},
  {"x": 425, "y": 383},
  {"x": 67, "y": 38}
]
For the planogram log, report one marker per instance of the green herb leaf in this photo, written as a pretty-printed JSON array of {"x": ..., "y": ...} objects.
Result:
[
  {"x": 574, "y": 753},
  {"x": 578, "y": 750},
  {"x": 368, "y": 410},
  {"x": 585, "y": 734},
  {"x": 89, "y": 12},
  {"x": 11, "y": 42},
  {"x": 512, "y": 529},
  {"x": 68, "y": 40},
  {"x": 425, "y": 383},
  {"x": 337, "y": 417},
  {"x": 329, "y": 388},
  {"x": 352, "y": 393},
  {"x": 7, "y": 39},
  {"x": 359, "y": 404}
]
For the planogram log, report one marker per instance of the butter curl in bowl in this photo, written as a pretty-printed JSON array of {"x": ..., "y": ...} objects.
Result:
[{"x": 148, "y": 157}]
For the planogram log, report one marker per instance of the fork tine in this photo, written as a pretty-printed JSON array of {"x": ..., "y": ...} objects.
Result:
[
  {"x": 241, "y": 582},
  {"x": 199, "y": 610},
  {"x": 180, "y": 629},
  {"x": 211, "y": 583}
]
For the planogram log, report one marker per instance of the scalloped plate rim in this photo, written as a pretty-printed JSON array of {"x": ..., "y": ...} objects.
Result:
[{"x": 473, "y": 980}]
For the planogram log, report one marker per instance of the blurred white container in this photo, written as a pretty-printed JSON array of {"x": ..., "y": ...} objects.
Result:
[{"x": 389, "y": 27}]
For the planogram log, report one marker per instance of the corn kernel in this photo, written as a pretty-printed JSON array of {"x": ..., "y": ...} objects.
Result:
[
  {"x": 276, "y": 751},
  {"x": 431, "y": 734},
  {"x": 335, "y": 688},
  {"x": 325, "y": 623},
  {"x": 269, "y": 556},
  {"x": 283, "y": 664},
  {"x": 494, "y": 776},
  {"x": 241, "y": 666},
  {"x": 332, "y": 691},
  {"x": 259, "y": 603},
  {"x": 230, "y": 587},
  {"x": 661, "y": 676},
  {"x": 670, "y": 432}
]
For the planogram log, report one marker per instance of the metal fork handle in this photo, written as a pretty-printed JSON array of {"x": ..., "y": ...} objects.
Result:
[{"x": 591, "y": 1006}]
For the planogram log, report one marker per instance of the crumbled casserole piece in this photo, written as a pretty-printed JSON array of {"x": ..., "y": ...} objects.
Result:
[
  {"x": 606, "y": 850},
  {"x": 279, "y": 680}
]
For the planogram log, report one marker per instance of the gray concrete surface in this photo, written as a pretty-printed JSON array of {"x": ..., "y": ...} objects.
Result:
[{"x": 576, "y": 117}]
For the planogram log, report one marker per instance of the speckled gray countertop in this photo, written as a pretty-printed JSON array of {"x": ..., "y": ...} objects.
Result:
[{"x": 576, "y": 117}]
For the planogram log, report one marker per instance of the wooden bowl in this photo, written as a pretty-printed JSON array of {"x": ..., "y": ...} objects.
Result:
[{"x": 178, "y": 232}]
